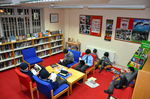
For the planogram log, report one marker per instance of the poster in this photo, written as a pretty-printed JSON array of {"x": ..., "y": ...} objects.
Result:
[
  {"x": 132, "y": 29},
  {"x": 90, "y": 25},
  {"x": 108, "y": 32},
  {"x": 96, "y": 25}
]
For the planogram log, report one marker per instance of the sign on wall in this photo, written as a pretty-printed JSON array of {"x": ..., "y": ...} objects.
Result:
[
  {"x": 132, "y": 29},
  {"x": 90, "y": 25}
]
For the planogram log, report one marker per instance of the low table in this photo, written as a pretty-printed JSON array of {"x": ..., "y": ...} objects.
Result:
[{"x": 76, "y": 75}]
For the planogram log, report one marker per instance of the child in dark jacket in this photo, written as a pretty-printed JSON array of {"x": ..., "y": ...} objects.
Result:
[
  {"x": 51, "y": 78},
  {"x": 104, "y": 61}
]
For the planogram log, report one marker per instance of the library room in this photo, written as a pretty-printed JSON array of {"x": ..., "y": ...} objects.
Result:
[{"x": 70, "y": 49}]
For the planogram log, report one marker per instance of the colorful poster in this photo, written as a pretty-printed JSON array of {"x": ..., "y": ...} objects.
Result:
[
  {"x": 132, "y": 29},
  {"x": 90, "y": 25},
  {"x": 108, "y": 32}
]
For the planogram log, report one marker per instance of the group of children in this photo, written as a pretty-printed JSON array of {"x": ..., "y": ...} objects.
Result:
[{"x": 85, "y": 62}]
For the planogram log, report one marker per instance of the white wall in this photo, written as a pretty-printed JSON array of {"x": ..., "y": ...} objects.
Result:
[
  {"x": 124, "y": 50},
  {"x": 53, "y": 26}
]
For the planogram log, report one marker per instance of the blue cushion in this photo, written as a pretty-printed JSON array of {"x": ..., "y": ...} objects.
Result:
[
  {"x": 34, "y": 60},
  {"x": 43, "y": 86},
  {"x": 60, "y": 89},
  {"x": 29, "y": 52},
  {"x": 69, "y": 65},
  {"x": 76, "y": 54}
]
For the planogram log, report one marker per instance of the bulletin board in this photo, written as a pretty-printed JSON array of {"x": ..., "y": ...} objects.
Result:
[
  {"x": 133, "y": 30},
  {"x": 90, "y": 25}
]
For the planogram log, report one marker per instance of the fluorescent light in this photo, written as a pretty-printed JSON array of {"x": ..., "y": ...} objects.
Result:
[
  {"x": 78, "y": 6},
  {"x": 118, "y": 6}
]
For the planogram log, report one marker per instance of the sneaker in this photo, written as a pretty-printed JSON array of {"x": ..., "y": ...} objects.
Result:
[{"x": 108, "y": 92}]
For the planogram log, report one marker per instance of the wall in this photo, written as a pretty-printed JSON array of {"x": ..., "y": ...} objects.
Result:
[
  {"x": 124, "y": 50},
  {"x": 46, "y": 21}
]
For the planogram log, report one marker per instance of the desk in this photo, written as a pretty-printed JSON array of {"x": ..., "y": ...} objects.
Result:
[
  {"x": 76, "y": 75},
  {"x": 73, "y": 45}
]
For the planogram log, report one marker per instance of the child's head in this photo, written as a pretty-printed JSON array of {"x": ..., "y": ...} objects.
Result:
[
  {"x": 24, "y": 66},
  {"x": 44, "y": 74},
  {"x": 95, "y": 51},
  {"x": 65, "y": 51},
  {"x": 106, "y": 54},
  {"x": 88, "y": 51}
]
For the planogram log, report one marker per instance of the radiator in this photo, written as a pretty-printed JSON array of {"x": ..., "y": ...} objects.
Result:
[{"x": 101, "y": 52}]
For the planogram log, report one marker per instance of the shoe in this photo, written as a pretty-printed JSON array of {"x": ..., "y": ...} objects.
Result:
[{"x": 108, "y": 92}]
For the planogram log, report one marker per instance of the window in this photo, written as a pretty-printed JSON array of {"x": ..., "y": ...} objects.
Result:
[{"x": 19, "y": 22}]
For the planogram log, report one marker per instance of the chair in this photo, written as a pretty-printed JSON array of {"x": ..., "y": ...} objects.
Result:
[
  {"x": 46, "y": 89},
  {"x": 76, "y": 57},
  {"x": 30, "y": 57},
  {"x": 92, "y": 68},
  {"x": 26, "y": 81}
]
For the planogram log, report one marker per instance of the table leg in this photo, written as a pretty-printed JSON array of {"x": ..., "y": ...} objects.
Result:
[{"x": 70, "y": 89}]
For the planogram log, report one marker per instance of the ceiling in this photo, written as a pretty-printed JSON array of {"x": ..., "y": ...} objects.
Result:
[{"x": 51, "y": 3}]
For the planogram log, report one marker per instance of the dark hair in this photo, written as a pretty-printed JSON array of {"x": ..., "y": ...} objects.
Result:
[
  {"x": 131, "y": 69},
  {"x": 44, "y": 74},
  {"x": 65, "y": 51},
  {"x": 106, "y": 54},
  {"x": 23, "y": 66},
  {"x": 88, "y": 51},
  {"x": 95, "y": 51}
]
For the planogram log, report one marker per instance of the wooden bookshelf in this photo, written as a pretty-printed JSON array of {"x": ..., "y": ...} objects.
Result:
[{"x": 11, "y": 56}]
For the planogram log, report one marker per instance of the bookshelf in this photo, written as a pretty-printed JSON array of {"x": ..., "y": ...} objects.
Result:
[{"x": 10, "y": 52}]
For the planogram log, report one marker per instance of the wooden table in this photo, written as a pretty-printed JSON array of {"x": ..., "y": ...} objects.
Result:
[{"x": 76, "y": 75}]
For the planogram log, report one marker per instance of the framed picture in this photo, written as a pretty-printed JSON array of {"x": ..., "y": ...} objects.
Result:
[
  {"x": 90, "y": 25},
  {"x": 133, "y": 30},
  {"x": 54, "y": 18}
]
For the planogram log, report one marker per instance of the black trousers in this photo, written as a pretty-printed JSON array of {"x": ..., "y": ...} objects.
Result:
[
  {"x": 81, "y": 68},
  {"x": 65, "y": 63}
]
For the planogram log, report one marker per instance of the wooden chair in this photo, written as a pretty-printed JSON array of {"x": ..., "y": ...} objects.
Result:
[{"x": 26, "y": 81}]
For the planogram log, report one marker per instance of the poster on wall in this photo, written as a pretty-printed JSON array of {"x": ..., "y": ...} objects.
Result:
[
  {"x": 132, "y": 29},
  {"x": 108, "y": 32},
  {"x": 90, "y": 25}
]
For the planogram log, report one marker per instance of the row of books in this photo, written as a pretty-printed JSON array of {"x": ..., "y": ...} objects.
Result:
[
  {"x": 5, "y": 47},
  {"x": 5, "y": 55},
  {"x": 56, "y": 37},
  {"x": 56, "y": 50},
  {"x": 41, "y": 47},
  {"x": 18, "y": 60},
  {"x": 17, "y": 53},
  {"x": 22, "y": 44},
  {"x": 43, "y": 53},
  {"x": 38, "y": 41},
  {"x": 6, "y": 64},
  {"x": 56, "y": 43}
]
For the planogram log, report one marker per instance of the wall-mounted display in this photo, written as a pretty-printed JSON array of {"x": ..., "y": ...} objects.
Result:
[
  {"x": 108, "y": 32},
  {"x": 132, "y": 29},
  {"x": 90, "y": 25}
]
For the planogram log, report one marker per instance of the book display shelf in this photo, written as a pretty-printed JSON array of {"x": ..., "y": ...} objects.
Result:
[
  {"x": 140, "y": 56},
  {"x": 10, "y": 52}
]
